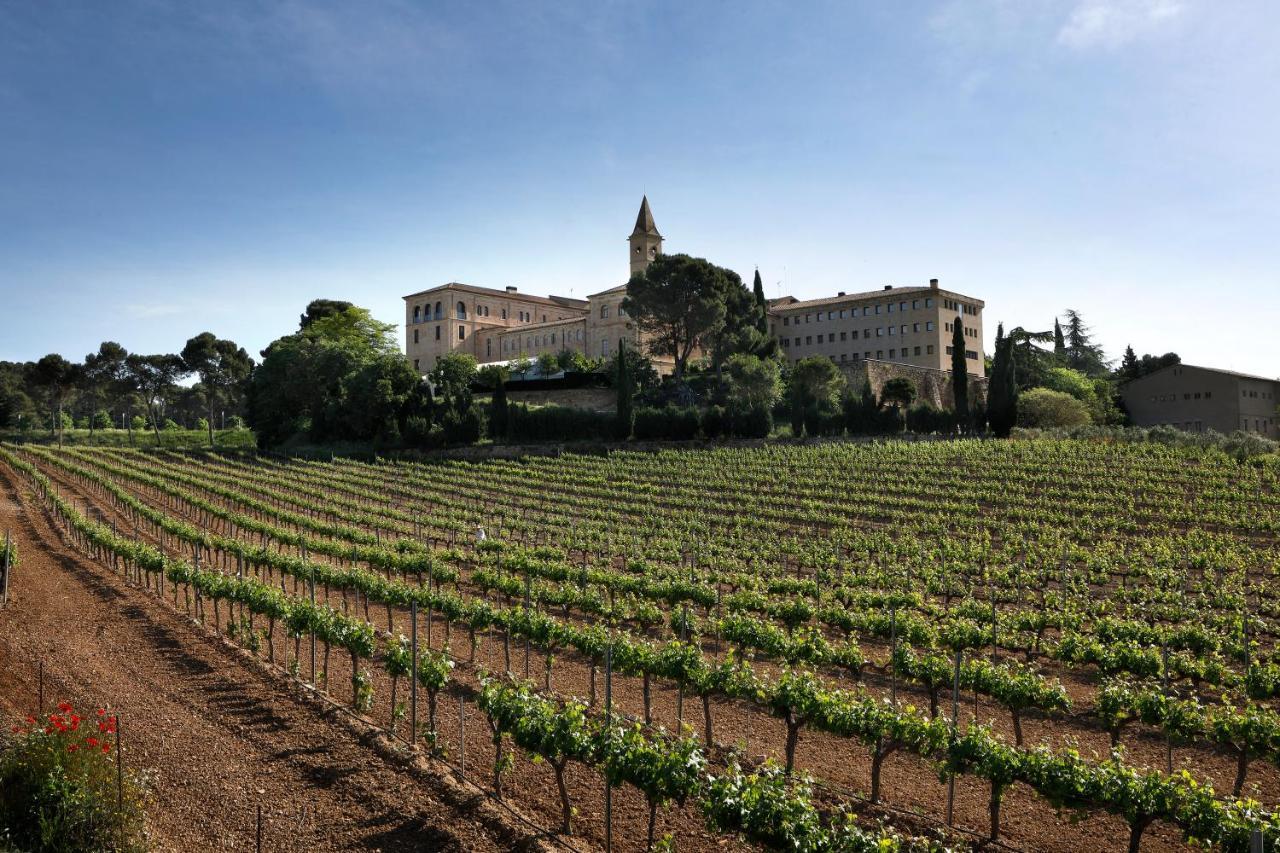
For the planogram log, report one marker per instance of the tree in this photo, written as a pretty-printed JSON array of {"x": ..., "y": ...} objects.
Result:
[
  {"x": 624, "y": 385},
  {"x": 1002, "y": 388},
  {"x": 341, "y": 376},
  {"x": 959, "y": 374},
  {"x": 221, "y": 365},
  {"x": 1128, "y": 365},
  {"x": 762, "y": 305},
  {"x": 319, "y": 309},
  {"x": 900, "y": 392},
  {"x": 754, "y": 382},
  {"x": 740, "y": 331},
  {"x": 548, "y": 365},
  {"x": 1030, "y": 362},
  {"x": 153, "y": 376},
  {"x": 1082, "y": 353},
  {"x": 815, "y": 385},
  {"x": 676, "y": 302},
  {"x": 496, "y": 375},
  {"x": 104, "y": 377},
  {"x": 1059, "y": 344},
  {"x": 57, "y": 377},
  {"x": 1047, "y": 409}
]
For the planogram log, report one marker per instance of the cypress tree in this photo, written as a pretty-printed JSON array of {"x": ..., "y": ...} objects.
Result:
[
  {"x": 1129, "y": 364},
  {"x": 959, "y": 375},
  {"x": 762, "y": 306},
  {"x": 499, "y": 416},
  {"x": 626, "y": 411},
  {"x": 1059, "y": 343},
  {"x": 1002, "y": 390}
]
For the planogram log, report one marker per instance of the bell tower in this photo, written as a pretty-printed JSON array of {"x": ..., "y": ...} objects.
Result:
[{"x": 645, "y": 241}]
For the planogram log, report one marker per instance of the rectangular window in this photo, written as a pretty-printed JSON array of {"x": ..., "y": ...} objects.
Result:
[
  {"x": 971, "y": 355},
  {"x": 806, "y": 318},
  {"x": 928, "y": 326},
  {"x": 877, "y": 309},
  {"x": 845, "y": 336},
  {"x": 867, "y": 354},
  {"x": 415, "y": 336},
  {"x": 855, "y": 334},
  {"x": 831, "y": 315},
  {"x": 808, "y": 340},
  {"x": 880, "y": 353},
  {"x": 786, "y": 321},
  {"x": 893, "y": 330},
  {"x": 890, "y": 311},
  {"x": 893, "y": 353},
  {"x": 929, "y": 349},
  {"x": 902, "y": 306},
  {"x": 879, "y": 331},
  {"x": 842, "y": 313},
  {"x": 928, "y": 302},
  {"x": 917, "y": 350},
  {"x": 844, "y": 356},
  {"x": 903, "y": 330},
  {"x": 437, "y": 333},
  {"x": 915, "y": 327},
  {"x": 949, "y": 351},
  {"x": 915, "y": 304},
  {"x": 415, "y": 364}
]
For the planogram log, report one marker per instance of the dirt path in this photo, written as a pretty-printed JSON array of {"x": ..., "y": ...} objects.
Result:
[{"x": 215, "y": 732}]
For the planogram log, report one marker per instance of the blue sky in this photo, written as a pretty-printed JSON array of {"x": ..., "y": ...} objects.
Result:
[{"x": 171, "y": 168}]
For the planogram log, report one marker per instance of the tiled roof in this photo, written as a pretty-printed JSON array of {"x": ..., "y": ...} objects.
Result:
[
  {"x": 562, "y": 301},
  {"x": 890, "y": 294}
]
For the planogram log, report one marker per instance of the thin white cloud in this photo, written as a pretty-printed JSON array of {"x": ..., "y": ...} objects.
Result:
[{"x": 1114, "y": 23}]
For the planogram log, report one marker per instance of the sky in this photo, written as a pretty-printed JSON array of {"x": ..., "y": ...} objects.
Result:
[{"x": 172, "y": 168}]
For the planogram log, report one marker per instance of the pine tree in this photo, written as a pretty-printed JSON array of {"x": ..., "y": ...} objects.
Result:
[
  {"x": 1128, "y": 365},
  {"x": 626, "y": 412},
  {"x": 1082, "y": 353},
  {"x": 1059, "y": 343},
  {"x": 959, "y": 375},
  {"x": 762, "y": 306}
]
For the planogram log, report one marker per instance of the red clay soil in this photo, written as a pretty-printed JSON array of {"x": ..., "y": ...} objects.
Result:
[{"x": 216, "y": 733}]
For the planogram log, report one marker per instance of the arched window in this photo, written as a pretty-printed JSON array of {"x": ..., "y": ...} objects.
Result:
[
  {"x": 439, "y": 311},
  {"x": 462, "y": 310},
  {"x": 604, "y": 311},
  {"x": 417, "y": 313}
]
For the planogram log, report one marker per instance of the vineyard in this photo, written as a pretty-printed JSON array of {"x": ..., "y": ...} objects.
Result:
[{"x": 1038, "y": 644}]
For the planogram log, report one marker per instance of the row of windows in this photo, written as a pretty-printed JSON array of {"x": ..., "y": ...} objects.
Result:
[
  {"x": 962, "y": 307},
  {"x": 969, "y": 354},
  {"x": 969, "y": 331},
  {"x": 513, "y": 345},
  {"x": 905, "y": 352},
  {"x": 866, "y": 333},
  {"x": 460, "y": 313},
  {"x": 604, "y": 312},
  {"x": 1188, "y": 395},
  {"x": 1244, "y": 392},
  {"x": 866, "y": 311}
]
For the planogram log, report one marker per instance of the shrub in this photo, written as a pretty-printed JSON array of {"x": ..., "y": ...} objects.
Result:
[
  {"x": 926, "y": 418},
  {"x": 202, "y": 424},
  {"x": 715, "y": 422},
  {"x": 1041, "y": 407},
  {"x": 463, "y": 427},
  {"x": 557, "y": 423},
  {"x": 138, "y": 423},
  {"x": 102, "y": 420},
  {"x": 671, "y": 423},
  {"x": 751, "y": 422},
  {"x": 58, "y": 787}
]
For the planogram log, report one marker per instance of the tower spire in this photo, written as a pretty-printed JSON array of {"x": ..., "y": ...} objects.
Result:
[{"x": 645, "y": 242}]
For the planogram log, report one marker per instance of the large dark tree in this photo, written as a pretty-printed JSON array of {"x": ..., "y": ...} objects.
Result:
[
  {"x": 1082, "y": 353},
  {"x": 959, "y": 374},
  {"x": 624, "y": 385},
  {"x": 223, "y": 368},
  {"x": 153, "y": 377},
  {"x": 678, "y": 302},
  {"x": 762, "y": 305},
  {"x": 1059, "y": 343},
  {"x": 57, "y": 377},
  {"x": 340, "y": 377},
  {"x": 1128, "y": 365},
  {"x": 1002, "y": 387},
  {"x": 318, "y": 309},
  {"x": 105, "y": 377}
]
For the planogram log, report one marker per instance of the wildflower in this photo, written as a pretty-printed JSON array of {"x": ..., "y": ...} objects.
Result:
[
  {"x": 72, "y": 748},
  {"x": 75, "y": 722},
  {"x": 101, "y": 711},
  {"x": 106, "y": 747},
  {"x": 16, "y": 729},
  {"x": 64, "y": 707},
  {"x": 91, "y": 742}
]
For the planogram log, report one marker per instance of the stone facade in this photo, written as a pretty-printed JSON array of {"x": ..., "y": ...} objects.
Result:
[
  {"x": 932, "y": 386},
  {"x": 1198, "y": 399},
  {"x": 903, "y": 325},
  {"x": 907, "y": 325}
]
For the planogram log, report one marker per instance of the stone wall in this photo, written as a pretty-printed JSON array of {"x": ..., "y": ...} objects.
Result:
[{"x": 932, "y": 386}]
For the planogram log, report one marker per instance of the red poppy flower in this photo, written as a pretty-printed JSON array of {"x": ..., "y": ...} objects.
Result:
[
  {"x": 72, "y": 748},
  {"x": 106, "y": 747},
  {"x": 64, "y": 707}
]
